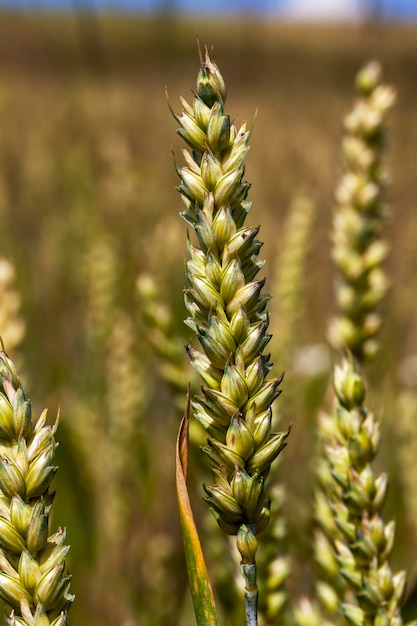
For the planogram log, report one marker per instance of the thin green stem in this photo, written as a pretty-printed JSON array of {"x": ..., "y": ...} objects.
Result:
[
  {"x": 251, "y": 593},
  {"x": 247, "y": 545}
]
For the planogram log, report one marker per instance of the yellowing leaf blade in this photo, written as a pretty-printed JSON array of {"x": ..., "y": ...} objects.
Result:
[{"x": 200, "y": 585}]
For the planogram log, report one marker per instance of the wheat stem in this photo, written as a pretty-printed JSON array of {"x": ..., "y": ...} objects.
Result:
[{"x": 251, "y": 594}]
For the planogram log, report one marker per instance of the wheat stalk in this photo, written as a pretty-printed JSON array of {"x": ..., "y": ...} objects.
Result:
[{"x": 228, "y": 314}]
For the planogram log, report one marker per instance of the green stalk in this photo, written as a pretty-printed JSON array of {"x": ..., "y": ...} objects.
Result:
[
  {"x": 247, "y": 546},
  {"x": 248, "y": 569},
  {"x": 251, "y": 594}
]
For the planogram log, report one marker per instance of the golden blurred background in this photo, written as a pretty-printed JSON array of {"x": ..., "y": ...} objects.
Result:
[{"x": 88, "y": 204}]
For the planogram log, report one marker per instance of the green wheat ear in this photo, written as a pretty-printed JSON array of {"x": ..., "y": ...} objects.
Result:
[
  {"x": 365, "y": 544},
  {"x": 354, "y": 545},
  {"x": 228, "y": 313},
  {"x": 33, "y": 575}
]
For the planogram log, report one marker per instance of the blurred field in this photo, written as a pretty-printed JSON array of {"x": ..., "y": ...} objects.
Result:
[{"x": 87, "y": 203}]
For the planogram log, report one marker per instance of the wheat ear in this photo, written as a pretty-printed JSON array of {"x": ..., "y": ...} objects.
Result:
[
  {"x": 358, "y": 495},
  {"x": 350, "y": 511},
  {"x": 161, "y": 334},
  {"x": 11, "y": 324},
  {"x": 228, "y": 314},
  {"x": 290, "y": 275},
  {"x": 33, "y": 576},
  {"x": 358, "y": 250}
]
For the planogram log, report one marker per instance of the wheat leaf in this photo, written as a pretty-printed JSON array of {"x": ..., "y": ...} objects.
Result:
[{"x": 201, "y": 590}]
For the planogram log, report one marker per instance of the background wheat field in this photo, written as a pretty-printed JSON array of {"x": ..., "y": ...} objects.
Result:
[{"x": 88, "y": 204}]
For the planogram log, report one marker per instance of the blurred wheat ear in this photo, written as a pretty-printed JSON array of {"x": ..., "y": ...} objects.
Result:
[
  {"x": 11, "y": 323},
  {"x": 354, "y": 544},
  {"x": 358, "y": 248},
  {"x": 287, "y": 306},
  {"x": 165, "y": 341},
  {"x": 33, "y": 577}
]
